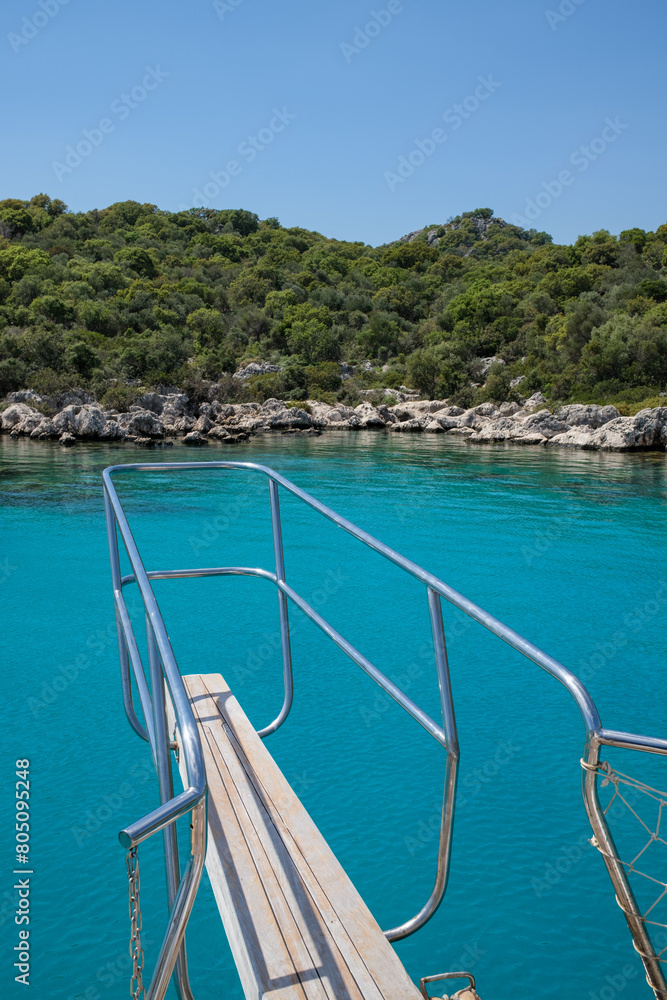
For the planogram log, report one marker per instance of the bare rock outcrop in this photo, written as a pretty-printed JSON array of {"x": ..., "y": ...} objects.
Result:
[
  {"x": 159, "y": 416},
  {"x": 141, "y": 423},
  {"x": 590, "y": 415}
]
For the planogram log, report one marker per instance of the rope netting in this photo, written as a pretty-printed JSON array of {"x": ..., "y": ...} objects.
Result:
[{"x": 639, "y": 841}]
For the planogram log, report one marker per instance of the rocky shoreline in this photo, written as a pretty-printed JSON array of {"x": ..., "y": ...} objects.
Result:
[{"x": 163, "y": 419}]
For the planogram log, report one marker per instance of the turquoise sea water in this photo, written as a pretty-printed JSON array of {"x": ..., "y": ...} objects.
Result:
[{"x": 567, "y": 548}]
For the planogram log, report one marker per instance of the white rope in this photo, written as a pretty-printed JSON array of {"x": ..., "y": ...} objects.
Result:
[{"x": 616, "y": 779}]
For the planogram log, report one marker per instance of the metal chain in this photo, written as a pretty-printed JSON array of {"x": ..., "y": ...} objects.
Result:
[{"x": 137, "y": 989}]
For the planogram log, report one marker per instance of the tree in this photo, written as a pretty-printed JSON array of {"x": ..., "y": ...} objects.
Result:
[
  {"x": 208, "y": 327},
  {"x": 138, "y": 260},
  {"x": 424, "y": 368},
  {"x": 82, "y": 358}
]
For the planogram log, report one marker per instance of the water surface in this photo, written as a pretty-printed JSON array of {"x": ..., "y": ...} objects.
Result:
[{"x": 568, "y": 548}]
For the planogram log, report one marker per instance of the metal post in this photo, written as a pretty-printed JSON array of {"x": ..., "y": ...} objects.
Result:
[
  {"x": 161, "y": 753},
  {"x": 123, "y": 654},
  {"x": 284, "y": 617},
  {"x": 451, "y": 771},
  {"x": 182, "y": 907},
  {"x": 625, "y": 897}
]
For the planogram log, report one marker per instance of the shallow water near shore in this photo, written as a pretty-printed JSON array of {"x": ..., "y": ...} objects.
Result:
[{"x": 569, "y": 548}]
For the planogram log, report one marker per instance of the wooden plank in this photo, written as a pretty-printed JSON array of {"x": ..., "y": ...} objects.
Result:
[
  {"x": 257, "y": 936},
  {"x": 313, "y": 954},
  {"x": 315, "y": 860},
  {"x": 297, "y": 927},
  {"x": 310, "y": 947}
]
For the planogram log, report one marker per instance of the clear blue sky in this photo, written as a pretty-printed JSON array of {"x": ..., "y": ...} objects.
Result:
[{"x": 551, "y": 86}]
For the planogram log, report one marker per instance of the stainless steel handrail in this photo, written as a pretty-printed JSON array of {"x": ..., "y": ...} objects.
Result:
[
  {"x": 446, "y": 735},
  {"x": 181, "y": 892}
]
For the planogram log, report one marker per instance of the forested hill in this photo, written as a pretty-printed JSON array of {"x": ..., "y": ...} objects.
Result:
[{"x": 131, "y": 297}]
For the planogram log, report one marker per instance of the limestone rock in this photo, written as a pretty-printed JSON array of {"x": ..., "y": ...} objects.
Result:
[
  {"x": 447, "y": 423},
  {"x": 72, "y": 397},
  {"x": 319, "y": 412},
  {"x": 255, "y": 368},
  {"x": 26, "y": 396},
  {"x": 543, "y": 422},
  {"x": 194, "y": 439},
  {"x": 369, "y": 417},
  {"x": 387, "y": 415},
  {"x": 533, "y": 438},
  {"x": 65, "y": 421},
  {"x": 645, "y": 430},
  {"x": 16, "y": 414},
  {"x": 141, "y": 423},
  {"x": 89, "y": 422},
  {"x": 276, "y": 415},
  {"x": 219, "y": 433},
  {"x": 486, "y": 410},
  {"x": 461, "y": 431},
  {"x": 485, "y": 364},
  {"x": 473, "y": 418},
  {"x": 175, "y": 424},
  {"x": 112, "y": 431},
  {"x": 337, "y": 417},
  {"x": 591, "y": 415},
  {"x": 67, "y": 440},
  {"x": 27, "y": 425},
  {"x": 450, "y": 411},
  {"x": 222, "y": 411},
  {"x": 534, "y": 401},
  {"x": 408, "y": 426},
  {"x": 203, "y": 424},
  {"x": 45, "y": 430},
  {"x": 578, "y": 437},
  {"x": 493, "y": 430},
  {"x": 403, "y": 412}
]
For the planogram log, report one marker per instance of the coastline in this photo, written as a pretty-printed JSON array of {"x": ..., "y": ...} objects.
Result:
[{"x": 166, "y": 419}]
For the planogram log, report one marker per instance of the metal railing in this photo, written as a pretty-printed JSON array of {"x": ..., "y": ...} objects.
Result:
[{"x": 163, "y": 668}]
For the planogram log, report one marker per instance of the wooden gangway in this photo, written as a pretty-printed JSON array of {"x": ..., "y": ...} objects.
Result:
[{"x": 296, "y": 925}]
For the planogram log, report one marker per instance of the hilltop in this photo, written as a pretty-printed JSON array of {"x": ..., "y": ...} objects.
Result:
[{"x": 131, "y": 298}]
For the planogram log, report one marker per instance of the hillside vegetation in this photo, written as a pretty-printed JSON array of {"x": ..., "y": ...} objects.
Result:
[{"x": 130, "y": 297}]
